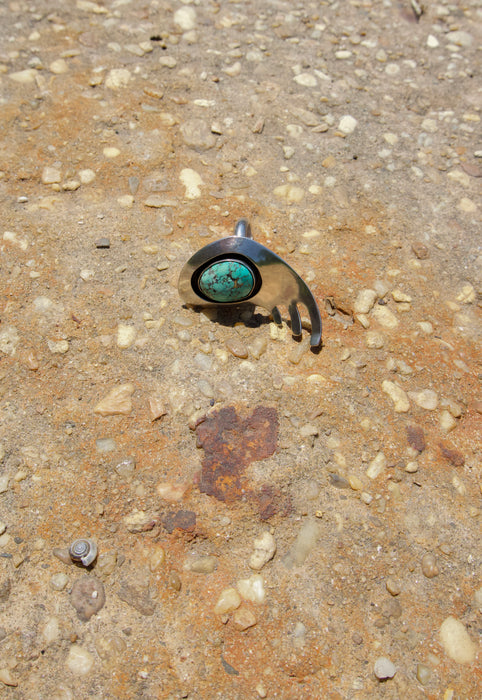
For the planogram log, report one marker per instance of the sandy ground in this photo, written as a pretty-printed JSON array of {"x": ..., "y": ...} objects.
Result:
[{"x": 270, "y": 522}]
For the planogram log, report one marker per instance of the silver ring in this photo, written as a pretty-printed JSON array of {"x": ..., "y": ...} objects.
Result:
[{"x": 237, "y": 269}]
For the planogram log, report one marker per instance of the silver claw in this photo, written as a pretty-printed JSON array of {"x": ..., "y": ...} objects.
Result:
[
  {"x": 237, "y": 269},
  {"x": 276, "y": 316},
  {"x": 295, "y": 319}
]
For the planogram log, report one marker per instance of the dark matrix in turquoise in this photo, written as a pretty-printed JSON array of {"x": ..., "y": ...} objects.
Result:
[{"x": 226, "y": 280}]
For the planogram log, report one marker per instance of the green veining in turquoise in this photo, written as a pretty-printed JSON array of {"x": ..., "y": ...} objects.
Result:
[{"x": 226, "y": 280}]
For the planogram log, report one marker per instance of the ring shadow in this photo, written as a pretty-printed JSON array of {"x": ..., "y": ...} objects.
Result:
[{"x": 228, "y": 316}]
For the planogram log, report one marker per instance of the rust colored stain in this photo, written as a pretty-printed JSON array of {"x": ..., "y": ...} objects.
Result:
[
  {"x": 231, "y": 443},
  {"x": 182, "y": 520},
  {"x": 416, "y": 437},
  {"x": 454, "y": 456},
  {"x": 272, "y": 502}
]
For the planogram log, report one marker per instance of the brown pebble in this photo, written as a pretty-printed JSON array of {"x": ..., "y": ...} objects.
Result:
[
  {"x": 471, "y": 169},
  {"x": 393, "y": 586},
  {"x": 244, "y": 618},
  {"x": 421, "y": 251},
  {"x": 62, "y": 554},
  {"x": 391, "y": 608},
  {"x": 416, "y": 437},
  {"x": 429, "y": 565},
  {"x": 357, "y": 638}
]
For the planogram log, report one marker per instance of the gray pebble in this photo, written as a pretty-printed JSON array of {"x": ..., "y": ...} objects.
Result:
[
  {"x": 133, "y": 184},
  {"x": 197, "y": 134},
  {"x": 203, "y": 565},
  {"x": 87, "y": 596}
]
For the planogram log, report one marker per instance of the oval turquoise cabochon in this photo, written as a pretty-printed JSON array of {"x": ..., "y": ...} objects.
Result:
[{"x": 226, "y": 280}]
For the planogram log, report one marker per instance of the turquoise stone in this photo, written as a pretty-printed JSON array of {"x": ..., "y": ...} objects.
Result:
[{"x": 226, "y": 280}]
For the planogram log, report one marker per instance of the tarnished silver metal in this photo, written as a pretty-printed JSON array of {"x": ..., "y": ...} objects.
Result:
[
  {"x": 83, "y": 551},
  {"x": 275, "y": 282}
]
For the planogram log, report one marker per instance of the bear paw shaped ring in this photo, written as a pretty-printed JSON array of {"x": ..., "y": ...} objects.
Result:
[{"x": 237, "y": 269}]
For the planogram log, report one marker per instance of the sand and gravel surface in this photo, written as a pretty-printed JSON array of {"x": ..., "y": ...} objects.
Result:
[{"x": 270, "y": 522}]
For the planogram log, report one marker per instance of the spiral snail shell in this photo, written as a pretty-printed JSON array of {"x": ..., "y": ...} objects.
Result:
[{"x": 83, "y": 551}]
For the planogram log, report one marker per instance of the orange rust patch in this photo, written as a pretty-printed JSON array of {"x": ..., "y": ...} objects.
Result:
[{"x": 230, "y": 444}]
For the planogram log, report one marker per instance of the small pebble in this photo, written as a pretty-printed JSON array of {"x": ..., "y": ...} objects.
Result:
[
  {"x": 192, "y": 182},
  {"x": 420, "y": 250},
  {"x": 111, "y": 152},
  {"x": 244, "y": 618},
  {"x": 157, "y": 558},
  {"x": 411, "y": 467},
  {"x": 261, "y": 690},
  {"x": 126, "y": 201},
  {"x": 447, "y": 421},
  {"x": 291, "y": 193},
  {"x": 384, "y": 668},
  {"x": 228, "y": 601},
  {"x": 347, "y": 124},
  {"x": 423, "y": 673},
  {"x": 306, "y": 80},
  {"x": 71, "y": 185},
  {"x": 126, "y": 468},
  {"x": 79, "y": 660},
  {"x": 174, "y": 581},
  {"x": 51, "y": 176},
  {"x": 157, "y": 407},
  {"x": 385, "y": 317},
  {"x": 185, "y": 18},
  {"x": 117, "y": 402},
  {"x": 401, "y": 404},
  {"x": 252, "y": 588},
  {"x": 197, "y": 134},
  {"x": 429, "y": 566},
  {"x": 374, "y": 340},
  {"x": 309, "y": 430},
  {"x": 106, "y": 563},
  {"x": 104, "y": 445},
  {"x": 393, "y": 586},
  {"x": 7, "y": 678},
  {"x": 102, "y": 243},
  {"x": 264, "y": 551},
  {"x": 126, "y": 336},
  {"x": 237, "y": 348},
  {"x": 118, "y": 78},
  {"x": 87, "y": 596},
  {"x": 303, "y": 545},
  {"x": 203, "y": 565},
  {"x": 258, "y": 347},
  {"x": 457, "y": 642},
  {"x": 59, "y": 581},
  {"x": 427, "y": 399},
  {"x": 51, "y": 630},
  {"x": 86, "y": 177},
  {"x": 140, "y": 521},
  {"x": 376, "y": 466}
]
